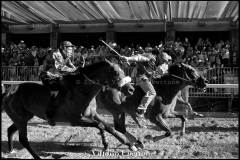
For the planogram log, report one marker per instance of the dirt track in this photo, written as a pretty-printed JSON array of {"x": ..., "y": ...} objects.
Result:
[{"x": 205, "y": 138}]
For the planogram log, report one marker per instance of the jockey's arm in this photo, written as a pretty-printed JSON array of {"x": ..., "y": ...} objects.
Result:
[
  {"x": 64, "y": 68},
  {"x": 136, "y": 58},
  {"x": 60, "y": 66},
  {"x": 149, "y": 73},
  {"x": 71, "y": 64}
]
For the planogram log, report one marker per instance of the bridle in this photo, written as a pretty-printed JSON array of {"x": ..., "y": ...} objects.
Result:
[{"x": 188, "y": 79}]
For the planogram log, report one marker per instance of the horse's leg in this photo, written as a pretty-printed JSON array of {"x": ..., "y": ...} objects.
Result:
[
  {"x": 104, "y": 142},
  {"x": 20, "y": 118},
  {"x": 136, "y": 121},
  {"x": 115, "y": 133},
  {"x": 175, "y": 114},
  {"x": 160, "y": 122},
  {"x": 24, "y": 140},
  {"x": 119, "y": 124},
  {"x": 11, "y": 130}
]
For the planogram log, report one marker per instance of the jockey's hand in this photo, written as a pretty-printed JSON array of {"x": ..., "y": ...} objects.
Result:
[
  {"x": 72, "y": 69},
  {"x": 124, "y": 59},
  {"x": 75, "y": 68}
]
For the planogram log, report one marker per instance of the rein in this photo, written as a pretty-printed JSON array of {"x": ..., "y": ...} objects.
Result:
[
  {"x": 186, "y": 80},
  {"x": 92, "y": 81},
  {"x": 121, "y": 83}
]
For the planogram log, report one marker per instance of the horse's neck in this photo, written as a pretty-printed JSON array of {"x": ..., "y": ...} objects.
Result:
[
  {"x": 81, "y": 98},
  {"x": 168, "y": 91},
  {"x": 90, "y": 91},
  {"x": 136, "y": 98},
  {"x": 92, "y": 72}
]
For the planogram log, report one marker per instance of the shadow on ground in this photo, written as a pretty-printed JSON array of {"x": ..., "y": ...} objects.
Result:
[
  {"x": 199, "y": 129},
  {"x": 43, "y": 147}
]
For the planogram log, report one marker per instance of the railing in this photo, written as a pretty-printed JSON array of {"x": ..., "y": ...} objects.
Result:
[
  {"x": 20, "y": 73},
  {"x": 226, "y": 79},
  {"x": 223, "y": 82}
]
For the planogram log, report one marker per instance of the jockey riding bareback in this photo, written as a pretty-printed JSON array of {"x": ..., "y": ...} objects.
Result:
[{"x": 54, "y": 66}]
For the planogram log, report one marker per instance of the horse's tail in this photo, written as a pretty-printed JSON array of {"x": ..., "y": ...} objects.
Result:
[
  {"x": 3, "y": 103},
  {"x": 6, "y": 95}
]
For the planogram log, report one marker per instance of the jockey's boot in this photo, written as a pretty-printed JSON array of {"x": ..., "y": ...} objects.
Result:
[
  {"x": 51, "y": 111},
  {"x": 140, "y": 111}
]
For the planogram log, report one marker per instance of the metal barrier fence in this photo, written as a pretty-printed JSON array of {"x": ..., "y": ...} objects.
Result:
[
  {"x": 20, "y": 73},
  {"x": 226, "y": 75},
  {"x": 222, "y": 77}
]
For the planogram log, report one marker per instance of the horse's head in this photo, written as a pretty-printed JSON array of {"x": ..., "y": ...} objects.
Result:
[
  {"x": 189, "y": 75},
  {"x": 108, "y": 74},
  {"x": 118, "y": 79}
]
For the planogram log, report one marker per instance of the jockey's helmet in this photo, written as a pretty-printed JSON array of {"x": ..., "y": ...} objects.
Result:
[
  {"x": 165, "y": 57},
  {"x": 66, "y": 44},
  {"x": 67, "y": 47}
]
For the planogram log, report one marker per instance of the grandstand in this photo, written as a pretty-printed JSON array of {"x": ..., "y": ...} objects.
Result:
[{"x": 128, "y": 23}]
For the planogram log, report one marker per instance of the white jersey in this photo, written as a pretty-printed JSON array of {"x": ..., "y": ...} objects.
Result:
[
  {"x": 62, "y": 64},
  {"x": 161, "y": 69}
]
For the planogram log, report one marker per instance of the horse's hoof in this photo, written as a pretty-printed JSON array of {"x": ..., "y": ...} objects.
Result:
[
  {"x": 200, "y": 115},
  {"x": 143, "y": 126},
  {"x": 139, "y": 144},
  {"x": 13, "y": 152},
  {"x": 133, "y": 148},
  {"x": 105, "y": 148},
  {"x": 182, "y": 133},
  {"x": 168, "y": 134},
  {"x": 37, "y": 157}
]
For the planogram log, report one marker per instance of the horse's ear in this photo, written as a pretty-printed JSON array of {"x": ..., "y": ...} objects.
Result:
[
  {"x": 179, "y": 64},
  {"x": 106, "y": 60},
  {"x": 182, "y": 64}
]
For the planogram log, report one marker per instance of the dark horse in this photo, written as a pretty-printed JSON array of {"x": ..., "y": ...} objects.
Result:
[
  {"x": 31, "y": 99},
  {"x": 179, "y": 76}
]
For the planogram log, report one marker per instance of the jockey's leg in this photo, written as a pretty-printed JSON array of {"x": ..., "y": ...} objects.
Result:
[{"x": 148, "y": 88}]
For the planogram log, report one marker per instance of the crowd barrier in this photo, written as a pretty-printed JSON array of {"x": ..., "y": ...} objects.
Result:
[{"x": 223, "y": 82}]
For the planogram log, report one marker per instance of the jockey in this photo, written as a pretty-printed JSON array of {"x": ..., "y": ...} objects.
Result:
[
  {"x": 51, "y": 72},
  {"x": 162, "y": 68},
  {"x": 144, "y": 69}
]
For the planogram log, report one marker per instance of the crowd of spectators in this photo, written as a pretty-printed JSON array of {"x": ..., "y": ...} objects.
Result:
[
  {"x": 20, "y": 55},
  {"x": 202, "y": 54}
]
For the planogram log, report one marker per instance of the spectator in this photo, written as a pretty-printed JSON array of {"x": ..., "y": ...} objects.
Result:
[
  {"x": 199, "y": 45},
  {"x": 148, "y": 49},
  {"x": 30, "y": 57},
  {"x": 225, "y": 55},
  {"x": 186, "y": 44},
  {"x": 211, "y": 56}
]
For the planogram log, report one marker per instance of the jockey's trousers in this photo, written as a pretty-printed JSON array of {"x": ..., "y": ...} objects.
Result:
[{"x": 148, "y": 88}]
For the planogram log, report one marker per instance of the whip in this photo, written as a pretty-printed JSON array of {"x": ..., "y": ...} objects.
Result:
[{"x": 112, "y": 49}]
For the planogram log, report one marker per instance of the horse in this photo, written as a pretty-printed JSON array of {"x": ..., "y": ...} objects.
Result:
[
  {"x": 167, "y": 88},
  {"x": 30, "y": 99}
]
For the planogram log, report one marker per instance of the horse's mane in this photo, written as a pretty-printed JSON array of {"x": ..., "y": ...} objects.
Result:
[
  {"x": 92, "y": 67},
  {"x": 114, "y": 69},
  {"x": 174, "y": 68}
]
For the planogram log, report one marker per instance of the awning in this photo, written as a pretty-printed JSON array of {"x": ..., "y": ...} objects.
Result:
[{"x": 64, "y": 12}]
